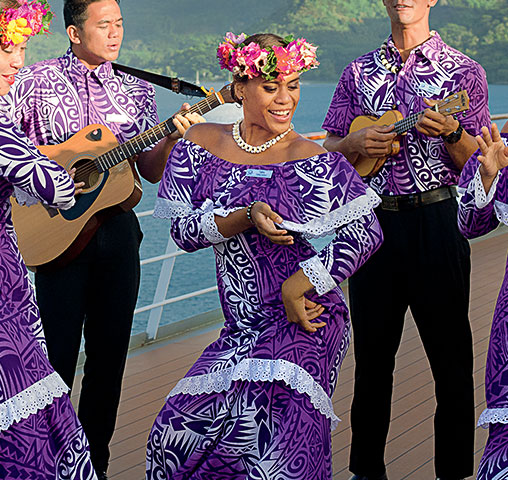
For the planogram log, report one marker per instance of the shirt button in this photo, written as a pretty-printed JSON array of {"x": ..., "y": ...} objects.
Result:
[
  {"x": 92, "y": 99},
  {"x": 402, "y": 74}
]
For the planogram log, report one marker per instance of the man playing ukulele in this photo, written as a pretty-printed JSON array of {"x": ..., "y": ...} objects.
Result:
[
  {"x": 97, "y": 291},
  {"x": 424, "y": 262}
]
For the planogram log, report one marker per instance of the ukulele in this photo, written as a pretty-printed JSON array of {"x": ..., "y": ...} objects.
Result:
[
  {"x": 365, "y": 166},
  {"x": 53, "y": 237}
]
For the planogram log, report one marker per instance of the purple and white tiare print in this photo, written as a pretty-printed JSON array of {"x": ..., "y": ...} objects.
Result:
[
  {"x": 40, "y": 436},
  {"x": 479, "y": 214},
  {"x": 433, "y": 71},
  {"x": 257, "y": 403}
]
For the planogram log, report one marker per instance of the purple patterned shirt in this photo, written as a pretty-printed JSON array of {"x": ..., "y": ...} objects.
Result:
[
  {"x": 53, "y": 99},
  {"x": 433, "y": 70}
]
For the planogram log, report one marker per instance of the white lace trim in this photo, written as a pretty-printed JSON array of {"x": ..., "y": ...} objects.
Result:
[
  {"x": 318, "y": 275},
  {"x": 31, "y": 400},
  {"x": 165, "y": 208},
  {"x": 493, "y": 415},
  {"x": 265, "y": 370},
  {"x": 210, "y": 229},
  {"x": 501, "y": 210},
  {"x": 329, "y": 222},
  {"x": 480, "y": 196}
]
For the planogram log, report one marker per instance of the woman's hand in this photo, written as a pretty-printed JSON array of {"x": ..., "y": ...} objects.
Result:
[
  {"x": 264, "y": 219},
  {"x": 494, "y": 155},
  {"x": 78, "y": 186},
  {"x": 299, "y": 309}
]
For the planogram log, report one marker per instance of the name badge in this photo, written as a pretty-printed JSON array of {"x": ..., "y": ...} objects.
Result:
[
  {"x": 430, "y": 89},
  {"x": 117, "y": 118},
  {"x": 252, "y": 172}
]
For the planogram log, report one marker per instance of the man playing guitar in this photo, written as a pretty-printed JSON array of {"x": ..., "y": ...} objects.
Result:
[
  {"x": 424, "y": 262},
  {"x": 97, "y": 291}
]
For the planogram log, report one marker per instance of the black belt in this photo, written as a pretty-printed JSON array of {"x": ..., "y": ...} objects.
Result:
[{"x": 395, "y": 203}]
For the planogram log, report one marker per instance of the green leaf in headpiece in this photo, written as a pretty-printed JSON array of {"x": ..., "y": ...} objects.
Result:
[{"x": 288, "y": 39}]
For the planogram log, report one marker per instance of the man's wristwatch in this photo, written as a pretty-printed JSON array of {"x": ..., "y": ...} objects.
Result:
[{"x": 453, "y": 137}]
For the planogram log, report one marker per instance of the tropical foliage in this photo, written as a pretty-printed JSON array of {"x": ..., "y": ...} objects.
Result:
[{"x": 175, "y": 37}]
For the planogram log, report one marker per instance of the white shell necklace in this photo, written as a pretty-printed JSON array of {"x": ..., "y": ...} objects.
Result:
[
  {"x": 394, "y": 68},
  {"x": 260, "y": 148}
]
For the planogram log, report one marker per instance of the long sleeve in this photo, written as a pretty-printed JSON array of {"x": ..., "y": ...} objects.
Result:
[
  {"x": 344, "y": 206},
  {"x": 352, "y": 246},
  {"x": 29, "y": 171},
  {"x": 480, "y": 213},
  {"x": 193, "y": 226}
]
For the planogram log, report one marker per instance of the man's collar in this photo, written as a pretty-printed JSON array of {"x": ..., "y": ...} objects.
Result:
[
  {"x": 76, "y": 67},
  {"x": 431, "y": 49}
]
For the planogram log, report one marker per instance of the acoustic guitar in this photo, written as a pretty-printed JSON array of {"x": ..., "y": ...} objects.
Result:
[
  {"x": 365, "y": 166},
  {"x": 53, "y": 237}
]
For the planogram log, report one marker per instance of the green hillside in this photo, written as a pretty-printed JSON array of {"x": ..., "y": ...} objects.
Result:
[{"x": 176, "y": 37}]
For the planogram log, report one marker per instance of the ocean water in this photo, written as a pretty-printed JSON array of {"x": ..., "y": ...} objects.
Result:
[{"x": 196, "y": 271}]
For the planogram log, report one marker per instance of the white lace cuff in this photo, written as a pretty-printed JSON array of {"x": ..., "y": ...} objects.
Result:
[
  {"x": 31, "y": 400},
  {"x": 318, "y": 275},
  {"x": 493, "y": 415},
  {"x": 264, "y": 370},
  {"x": 330, "y": 222},
  {"x": 501, "y": 210},
  {"x": 209, "y": 227},
  {"x": 480, "y": 196},
  {"x": 165, "y": 208}
]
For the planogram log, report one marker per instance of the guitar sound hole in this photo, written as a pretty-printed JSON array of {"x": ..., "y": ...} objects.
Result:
[{"x": 86, "y": 171}]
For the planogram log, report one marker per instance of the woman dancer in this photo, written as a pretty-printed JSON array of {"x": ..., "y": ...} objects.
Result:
[
  {"x": 257, "y": 403},
  {"x": 40, "y": 436},
  {"x": 483, "y": 205}
]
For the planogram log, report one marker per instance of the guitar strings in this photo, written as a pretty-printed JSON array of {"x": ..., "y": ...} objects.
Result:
[{"x": 119, "y": 151}]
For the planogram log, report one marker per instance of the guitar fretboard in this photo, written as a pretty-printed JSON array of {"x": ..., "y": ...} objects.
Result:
[{"x": 152, "y": 136}]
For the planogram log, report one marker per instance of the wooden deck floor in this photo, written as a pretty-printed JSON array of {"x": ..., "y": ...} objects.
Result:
[{"x": 151, "y": 374}]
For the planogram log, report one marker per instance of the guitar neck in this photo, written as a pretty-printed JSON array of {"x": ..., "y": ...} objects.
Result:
[{"x": 152, "y": 136}]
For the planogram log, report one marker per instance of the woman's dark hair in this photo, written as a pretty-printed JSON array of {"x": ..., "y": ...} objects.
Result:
[
  {"x": 75, "y": 12},
  {"x": 264, "y": 40}
]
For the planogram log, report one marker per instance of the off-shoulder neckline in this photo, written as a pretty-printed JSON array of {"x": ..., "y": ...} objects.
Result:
[{"x": 253, "y": 164}]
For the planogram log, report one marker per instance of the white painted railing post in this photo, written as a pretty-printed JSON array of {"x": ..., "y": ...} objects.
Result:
[{"x": 161, "y": 291}]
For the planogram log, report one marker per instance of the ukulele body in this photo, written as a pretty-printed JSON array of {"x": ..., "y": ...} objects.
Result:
[{"x": 367, "y": 166}]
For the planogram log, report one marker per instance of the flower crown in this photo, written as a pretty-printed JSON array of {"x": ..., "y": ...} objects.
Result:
[
  {"x": 31, "y": 18},
  {"x": 273, "y": 62}
]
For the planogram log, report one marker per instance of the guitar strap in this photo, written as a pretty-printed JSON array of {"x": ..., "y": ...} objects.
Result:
[{"x": 171, "y": 83}]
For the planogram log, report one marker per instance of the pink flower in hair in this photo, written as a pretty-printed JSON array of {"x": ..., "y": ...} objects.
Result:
[
  {"x": 273, "y": 62},
  {"x": 255, "y": 59},
  {"x": 289, "y": 59},
  {"x": 308, "y": 52},
  {"x": 224, "y": 53}
]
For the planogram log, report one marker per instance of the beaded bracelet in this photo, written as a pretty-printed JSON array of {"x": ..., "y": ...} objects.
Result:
[{"x": 249, "y": 211}]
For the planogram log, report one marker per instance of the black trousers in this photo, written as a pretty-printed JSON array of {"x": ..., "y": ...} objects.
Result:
[
  {"x": 423, "y": 264},
  {"x": 94, "y": 294}
]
